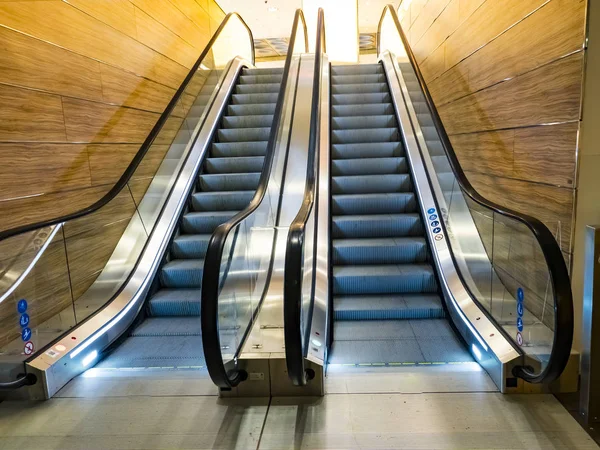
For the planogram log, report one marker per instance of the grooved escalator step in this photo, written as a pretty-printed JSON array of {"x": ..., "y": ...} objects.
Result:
[
  {"x": 263, "y": 71},
  {"x": 362, "y": 122},
  {"x": 371, "y": 184},
  {"x": 258, "y": 88},
  {"x": 221, "y": 201},
  {"x": 259, "y": 109},
  {"x": 233, "y": 149},
  {"x": 354, "y": 204},
  {"x": 356, "y": 99},
  {"x": 175, "y": 302},
  {"x": 365, "y": 109},
  {"x": 245, "y": 99},
  {"x": 368, "y": 166},
  {"x": 376, "y": 225},
  {"x": 261, "y": 79},
  {"x": 239, "y": 164},
  {"x": 182, "y": 273},
  {"x": 356, "y": 69},
  {"x": 359, "y": 88},
  {"x": 354, "y": 79},
  {"x": 384, "y": 279},
  {"x": 190, "y": 246},
  {"x": 396, "y": 250},
  {"x": 229, "y": 182},
  {"x": 248, "y": 121},
  {"x": 243, "y": 134},
  {"x": 367, "y": 135},
  {"x": 386, "y": 307},
  {"x": 204, "y": 222},
  {"x": 169, "y": 326},
  {"x": 367, "y": 150}
]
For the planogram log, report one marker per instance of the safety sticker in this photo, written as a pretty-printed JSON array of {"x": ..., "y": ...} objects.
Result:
[
  {"x": 439, "y": 237},
  {"x": 29, "y": 347},
  {"x": 519, "y": 339},
  {"x": 24, "y": 320},
  {"x": 52, "y": 353},
  {"x": 26, "y": 334},
  {"x": 22, "y": 306}
]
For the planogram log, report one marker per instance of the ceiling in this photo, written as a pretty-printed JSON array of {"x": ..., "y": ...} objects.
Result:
[{"x": 278, "y": 23}]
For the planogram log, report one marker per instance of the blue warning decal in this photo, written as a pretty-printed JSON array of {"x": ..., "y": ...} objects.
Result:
[
  {"x": 520, "y": 294},
  {"x": 437, "y": 230},
  {"x": 433, "y": 217},
  {"x": 26, "y": 334},
  {"x": 24, "y": 320},
  {"x": 520, "y": 309},
  {"x": 519, "y": 324},
  {"x": 435, "y": 223},
  {"x": 22, "y": 306},
  {"x": 430, "y": 210}
]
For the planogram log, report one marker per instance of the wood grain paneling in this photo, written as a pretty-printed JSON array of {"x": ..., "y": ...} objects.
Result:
[
  {"x": 28, "y": 115},
  {"x": 123, "y": 88},
  {"x": 549, "y": 94},
  {"x": 119, "y": 14},
  {"x": 41, "y": 167},
  {"x": 428, "y": 14},
  {"x": 95, "y": 122},
  {"x": 441, "y": 28},
  {"x": 32, "y": 63},
  {"x": 61, "y": 24},
  {"x": 519, "y": 50},
  {"x": 198, "y": 15},
  {"x": 489, "y": 152}
]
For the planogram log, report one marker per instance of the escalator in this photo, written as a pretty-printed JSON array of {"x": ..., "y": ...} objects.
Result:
[
  {"x": 386, "y": 301},
  {"x": 170, "y": 336}
]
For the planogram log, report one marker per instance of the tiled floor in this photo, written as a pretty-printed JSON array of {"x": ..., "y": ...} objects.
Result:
[{"x": 141, "y": 412}]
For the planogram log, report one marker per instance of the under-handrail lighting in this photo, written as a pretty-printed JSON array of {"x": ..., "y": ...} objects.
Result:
[
  {"x": 476, "y": 351},
  {"x": 89, "y": 358}
]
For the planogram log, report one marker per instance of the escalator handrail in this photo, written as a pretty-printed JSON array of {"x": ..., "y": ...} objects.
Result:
[
  {"x": 209, "y": 308},
  {"x": 29, "y": 379},
  {"x": 559, "y": 275},
  {"x": 139, "y": 156},
  {"x": 292, "y": 296}
]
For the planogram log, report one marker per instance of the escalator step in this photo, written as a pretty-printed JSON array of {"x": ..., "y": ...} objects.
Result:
[
  {"x": 357, "y": 69},
  {"x": 175, "y": 302},
  {"x": 396, "y": 250},
  {"x": 221, "y": 201},
  {"x": 384, "y": 279},
  {"x": 359, "y": 88},
  {"x": 258, "y": 109},
  {"x": 367, "y": 78},
  {"x": 380, "y": 225},
  {"x": 259, "y": 88},
  {"x": 367, "y": 150},
  {"x": 388, "y": 307},
  {"x": 229, "y": 182},
  {"x": 354, "y": 99},
  {"x": 261, "y": 79},
  {"x": 245, "y": 99},
  {"x": 362, "y": 122},
  {"x": 248, "y": 121},
  {"x": 169, "y": 326},
  {"x": 182, "y": 273},
  {"x": 371, "y": 184},
  {"x": 232, "y": 149},
  {"x": 190, "y": 246},
  {"x": 367, "y": 135},
  {"x": 243, "y": 134},
  {"x": 365, "y": 109},
  {"x": 354, "y": 204},
  {"x": 263, "y": 71},
  {"x": 368, "y": 166},
  {"x": 240, "y": 164},
  {"x": 204, "y": 222}
]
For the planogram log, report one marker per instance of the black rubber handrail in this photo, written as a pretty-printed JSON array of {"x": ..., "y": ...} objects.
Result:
[
  {"x": 209, "y": 308},
  {"x": 30, "y": 379},
  {"x": 294, "y": 260},
  {"x": 137, "y": 159},
  {"x": 559, "y": 276}
]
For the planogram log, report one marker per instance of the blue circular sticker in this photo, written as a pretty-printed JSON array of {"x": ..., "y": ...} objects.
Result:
[
  {"x": 520, "y": 309},
  {"x": 430, "y": 210},
  {"x": 433, "y": 217},
  {"x": 520, "y": 294},
  {"x": 26, "y": 334},
  {"x": 437, "y": 230},
  {"x": 519, "y": 324},
  {"x": 435, "y": 223},
  {"x": 22, "y": 306},
  {"x": 24, "y": 320}
]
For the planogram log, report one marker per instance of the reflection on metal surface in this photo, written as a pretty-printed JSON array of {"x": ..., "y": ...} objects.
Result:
[
  {"x": 475, "y": 327},
  {"x": 164, "y": 202},
  {"x": 266, "y": 339}
]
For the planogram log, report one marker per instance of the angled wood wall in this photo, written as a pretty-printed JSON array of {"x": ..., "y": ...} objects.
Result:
[
  {"x": 82, "y": 80},
  {"x": 506, "y": 77}
]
